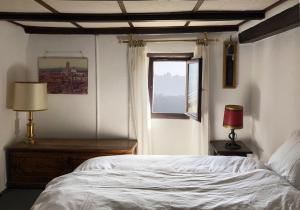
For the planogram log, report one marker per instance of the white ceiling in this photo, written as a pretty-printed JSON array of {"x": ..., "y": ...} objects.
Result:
[
  {"x": 214, "y": 23},
  {"x": 92, "y": 6},
  {"x": 46, "y": 24},
  {"x": 21, "y": 6},
  {"x": 159, "y": 23},
  {"x": 236, "y": 4},
  {"x": 84, "y": 6},
  {"x": 104, "y": 25},
  {"x": 159, "y": 6}
]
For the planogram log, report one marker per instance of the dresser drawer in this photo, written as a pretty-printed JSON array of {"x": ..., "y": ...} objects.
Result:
[
  {"x": 35, "y": 165},
  {"x": 39, "y": 164}
]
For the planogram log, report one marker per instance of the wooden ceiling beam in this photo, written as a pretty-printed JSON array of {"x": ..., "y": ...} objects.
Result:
[
  {"x": 277, "y": 3},
  {"x": 274, "y": 5},
  {"x": 128, "y": 30},
  {"x": 16, "y": 23},
  {"x": 124, "y": 11},
  {"x": 135, "y": 17},
  {"x": 286, "y": 20},
  {"x": 51, "y": 9},
  {"x": 195, "y": 9}
]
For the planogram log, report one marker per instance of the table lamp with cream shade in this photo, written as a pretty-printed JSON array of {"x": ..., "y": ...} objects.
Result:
[
  {"x": 30, "y": 97},
  {"x": 233, "y": 119}
]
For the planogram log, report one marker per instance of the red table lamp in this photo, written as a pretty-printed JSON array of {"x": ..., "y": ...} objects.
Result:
[{"x": 233, "y": 119}]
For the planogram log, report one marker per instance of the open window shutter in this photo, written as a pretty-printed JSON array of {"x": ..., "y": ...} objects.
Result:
[{"x": 194, "y": 88}]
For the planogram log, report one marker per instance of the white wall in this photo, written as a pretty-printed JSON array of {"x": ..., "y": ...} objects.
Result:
[
  {"x": 219, "y": 97},
  {"x": 274, "y": 65},
  {"x": 77, "y": 116},
  {"x": 275, "y": 89},
  {"x": 171, "y": 136},
  {"x": 268, "y": 88},
  {"x": 13, "y": 42},
  {"x": 112, "y": 88},
  {"x": 104, "y": 110},
  {"x": 68, "y": 116},
  {"x": 175, "y": 136}
]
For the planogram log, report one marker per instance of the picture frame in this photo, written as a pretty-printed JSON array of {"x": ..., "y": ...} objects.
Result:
[
  {"x": 64, "y": 75},
  {"x": 194, "y": 88},
  {"x": 229, "y": 64}
]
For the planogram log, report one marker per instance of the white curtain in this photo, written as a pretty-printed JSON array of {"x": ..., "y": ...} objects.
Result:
[
  {"x": 201, "y": 131},
  {"x": 139, "y": 106}
]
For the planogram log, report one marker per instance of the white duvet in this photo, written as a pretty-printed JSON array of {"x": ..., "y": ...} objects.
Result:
[{"x": 169, "y": 182}]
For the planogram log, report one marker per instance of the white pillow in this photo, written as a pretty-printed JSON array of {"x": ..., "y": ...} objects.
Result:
[{"x": 286, "y": 159}]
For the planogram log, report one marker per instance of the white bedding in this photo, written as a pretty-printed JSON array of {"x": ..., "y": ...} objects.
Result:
[{"x": 169, "y": 182}]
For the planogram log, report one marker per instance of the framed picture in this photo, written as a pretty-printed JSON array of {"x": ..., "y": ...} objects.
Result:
[
  {"x": 229, "y": 64},
  {"x": 194, "y": 88},
  {"x": 64, "y": 75}
]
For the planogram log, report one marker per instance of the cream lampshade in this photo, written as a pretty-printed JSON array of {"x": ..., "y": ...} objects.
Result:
[{"x": 30, "y": 97}]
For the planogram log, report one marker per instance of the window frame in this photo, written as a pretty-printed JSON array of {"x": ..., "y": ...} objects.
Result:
[
  {"x": 196, "y": 116},
  {"x": 165, "y": 57}
]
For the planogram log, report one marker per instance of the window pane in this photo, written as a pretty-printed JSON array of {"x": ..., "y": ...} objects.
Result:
[{"x": 169, "y": 78}]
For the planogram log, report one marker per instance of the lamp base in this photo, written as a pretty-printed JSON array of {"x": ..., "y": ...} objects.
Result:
[
  {"x": 30, "y": 130},
  {"x": 232, "y": 146},
  {"x": 29, "y": 140}
]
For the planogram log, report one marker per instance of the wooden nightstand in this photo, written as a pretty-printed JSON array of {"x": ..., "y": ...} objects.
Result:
[
  {"x": 218, "y": 148},
  {"x": 35, "y": 165}
]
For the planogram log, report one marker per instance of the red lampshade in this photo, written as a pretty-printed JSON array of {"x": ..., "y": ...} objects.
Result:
[{"x": 233, "y": 117}]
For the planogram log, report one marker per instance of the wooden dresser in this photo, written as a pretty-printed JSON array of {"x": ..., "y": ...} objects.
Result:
[{"x": 33, "y": 166}]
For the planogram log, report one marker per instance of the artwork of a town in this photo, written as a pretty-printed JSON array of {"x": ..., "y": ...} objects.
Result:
[{"x": 64, "y": 75}]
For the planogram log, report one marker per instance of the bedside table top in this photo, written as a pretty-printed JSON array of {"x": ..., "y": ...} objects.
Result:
[{"x": 219, "y": 148}]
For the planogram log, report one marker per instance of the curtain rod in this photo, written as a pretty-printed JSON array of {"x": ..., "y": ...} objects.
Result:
[
  {"x": 204, "y": 40},
  {"x": 175, "y": 40},
  {"x": 67, "y": 52}
]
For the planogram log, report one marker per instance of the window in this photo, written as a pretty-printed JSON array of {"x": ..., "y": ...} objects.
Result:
[{"x": 167, "y": 84}]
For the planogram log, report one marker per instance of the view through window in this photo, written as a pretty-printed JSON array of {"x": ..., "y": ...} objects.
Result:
[
  {"x": 167, "y": 84},
  {"x": 169, "y": 87}
]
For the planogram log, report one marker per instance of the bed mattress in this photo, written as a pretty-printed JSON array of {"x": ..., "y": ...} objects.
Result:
[{"x": 169, "y": 182}]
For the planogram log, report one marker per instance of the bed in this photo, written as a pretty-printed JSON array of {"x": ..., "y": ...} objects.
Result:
[
  {"x": 138, "y": 182},
  {"x": 169, "y": 182}
]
